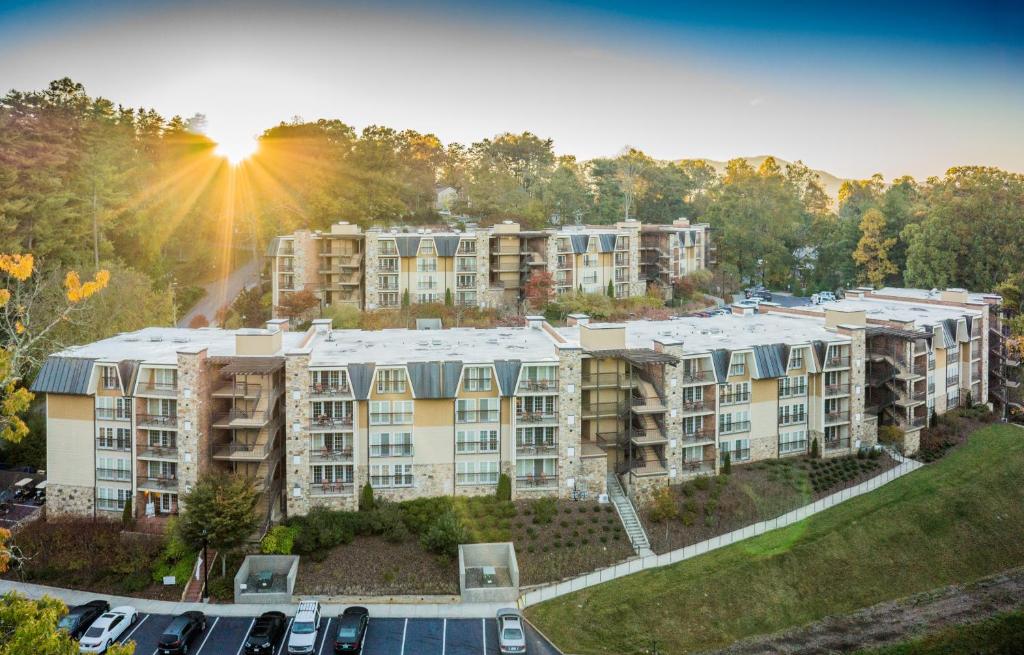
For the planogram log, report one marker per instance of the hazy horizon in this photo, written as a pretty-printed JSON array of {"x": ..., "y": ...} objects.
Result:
[{"x": 910, "y": 90}]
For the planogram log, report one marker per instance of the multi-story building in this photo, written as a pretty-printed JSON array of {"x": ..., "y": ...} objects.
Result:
[
  {"x": 312, "y": 417},
  {"x": 484, "y": 267}
]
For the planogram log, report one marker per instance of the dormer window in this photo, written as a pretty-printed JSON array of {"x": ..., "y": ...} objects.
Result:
[{"x": 739, "y": 364}]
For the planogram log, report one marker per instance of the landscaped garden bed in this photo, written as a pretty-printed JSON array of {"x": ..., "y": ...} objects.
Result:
[
  {"x": 951, "y": 430},
  {"x": 706, "y": 507}
]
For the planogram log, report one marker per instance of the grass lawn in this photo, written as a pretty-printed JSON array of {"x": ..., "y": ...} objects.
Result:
[
  {"x": 706, "y": 507},
  {"x": 953, "y": 521},
  {"x": 1000, "y": 635}
]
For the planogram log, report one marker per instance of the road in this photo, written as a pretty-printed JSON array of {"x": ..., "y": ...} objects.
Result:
[
  {"x": 225, "y": 634},
  {"x": 221, "y": 292},
  {"x": 782, "y": 298}
]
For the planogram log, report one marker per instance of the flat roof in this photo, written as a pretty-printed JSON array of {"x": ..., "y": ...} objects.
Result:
[
  {"x": 729, "y": 331},
  {"x": 398, "y": 346},
  {"x": 160, "y": 345},
  {"x": 895, "y": 310},
  {"x": 931, "y": 294}
]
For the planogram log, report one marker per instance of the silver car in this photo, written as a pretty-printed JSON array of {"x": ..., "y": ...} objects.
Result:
[
  {"x": 511, "y": 635},
  {"x": 302, "y": 636}
]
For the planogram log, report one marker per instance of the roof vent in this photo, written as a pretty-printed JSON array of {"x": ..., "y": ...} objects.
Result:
[{"x": 156, "y": 338}]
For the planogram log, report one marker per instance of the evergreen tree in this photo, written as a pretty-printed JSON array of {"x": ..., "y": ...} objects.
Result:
[{"x": 872, "y": 253}]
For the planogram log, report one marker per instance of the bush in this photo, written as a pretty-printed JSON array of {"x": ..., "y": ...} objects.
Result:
[
  {"x": 222, "y": 588},
  {"x": 175, "y": 559},
  {"x": 701, "y": 482},
  {"x": 366, "y": 498},
  {"x": 663, "y": 506},
  {"x": 815, "y": 448},
  {"x": 504, "y": 490},
  {"x": 544, "y": 510},
  {"x": 890, "y": 435},
  {"x": 279, "y": 541},
  {"x": 418, "y": 514},
  {"x": 727, "y": 464},
  {"x": 127, "y": 516},
  {"x": 322, "y": 529},
  {"x": 444, "y": 535}
]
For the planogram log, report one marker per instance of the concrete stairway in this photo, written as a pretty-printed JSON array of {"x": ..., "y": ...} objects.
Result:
[
  {"x": 627, "y": 514},
  {"x": 193, "y": 591}
]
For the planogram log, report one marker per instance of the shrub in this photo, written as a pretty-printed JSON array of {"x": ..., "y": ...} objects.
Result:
[
  {"x": 322, "y": 529},
  {"x": 366, "y": 498},
  {"x": 175, "y": 559},
  {"x": 128, "y": 516},
  {"x": 445, "y": 535},
  {"x": 279, "y": 541},
  {"x": 727, "y": 464},
  {"x": 504, "y": 490},
  {"x": 222, "y": 588},
  {"x": 815, "y": 448},
  {"x": 418, "y": 514},
  {"x": 544, "y": 510},
  {"x": 890, "y": 435},
  {"x": 702, "y": 482},
  {"x": 687, "y": 518},
  {"x": 663, "y": 506}
]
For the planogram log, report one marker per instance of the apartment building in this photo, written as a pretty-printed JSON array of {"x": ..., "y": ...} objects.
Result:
[{"x": 485, "y": 267}]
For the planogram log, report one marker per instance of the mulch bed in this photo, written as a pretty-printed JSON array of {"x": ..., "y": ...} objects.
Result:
[
  {"x": 951, "y": 431},
  {"x": 711, "y": 506},
  {"x": 373, "y": 565}
]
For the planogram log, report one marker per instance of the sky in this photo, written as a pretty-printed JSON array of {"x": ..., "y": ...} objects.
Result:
[{"x": 857, "y": 88}]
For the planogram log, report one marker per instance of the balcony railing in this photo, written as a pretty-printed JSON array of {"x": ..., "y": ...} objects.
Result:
[
  {"x": 337, "y": 389},
  {"x": 391, "y": 481},
  {"x": 330, "y": 454},
  {"x": 838, "y": 442},
  {"x": 610, "y": 379},
  {"x": 536, "y": 449},
  {"x": 734, "y": 427},
  {"x": 162, "y": 483},
  {"x": 390, "y": 418},
  {"x": 474, "y": 446},
  {"x": 792, "y": 419},
  {"x": 594, "y": 409},
  {"x": 837, "y": 417},
  {"x": 238, "y": 390},
  {"x": 734, "y": 398},
  {"x": 476, "y": 416},
  {"x": 242, "y": 450},
  {"x": 790, "y": 392},
  {"x": 240, "y": 418},
  {"x": 792, "y": 447},
  {"x": 110, "y": 414},
  {"x": 524, "y": 416},
  {"x": 696, "y": 436},
  {"x": 697, "y": 376},
  {"x": 330, "y": 489},
  {"x": 391, "y": 450},
  {"x": 837, "y": 389},
  {"x": 694, "y": 406},
  {"x": 736, "y": 455},
  {"x": 953, "y": 381},
  {"x": 534, "y": 386},
  {"x": 536, "y": 481},
  {"x": 169, "y": 389},
  {"x": 838, "y": 361},
  {"x": 476, "y": 478},
  {"x": 122, "y": 475},
  {"x": 160, "y": 421},
  {"x": 105, "y": 443},
  {"x": 698, "y": 465},
  {"x": 168, "y": 451},
  {"x": 330, "y": 422}
]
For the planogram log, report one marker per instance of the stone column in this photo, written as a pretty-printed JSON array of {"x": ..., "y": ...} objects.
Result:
[
  {"x": 569, "y": 435},
  {"x": 484, "y": 297},
  {"x": 296, "y": 438},
  {"x": 370, "y": 265},
  {"x": 195, "y": 386},
  {"x": 637, "y": 285},
  {"x": 858, "y": 390},
  {"x": 673, "y": 389},
  {"x": 552, "y": 262}
]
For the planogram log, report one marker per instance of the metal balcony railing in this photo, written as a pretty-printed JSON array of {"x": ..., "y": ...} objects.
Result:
[
  {"x": 242, "y": 450},
  {"x": 474, "y": 446},
  {"x": 536, "y": 448},
  {"x": 536, "y": 481},
  {"x": 476, "y": 416},
  {"x": 695, "y": 436},
  {"x": 168, "y": 450},
  {"x": 792, "y": 419},
  {"x": 330, "y": 422},
  {"x": 697, "y": 376},
  {"x": 239, "y": 389},
  {"x": 476, "y": 478},
  {"x": 791, "y": 392},
  {"x": 533, "y": 386},
  {"x": 328, "y": 488},
  {"x": 111, "y": 414},
  {"x": 105, "y": 443},
  {"x": 842, "y": 389},
  {"x": 791, "y": 447},
  {"x": 390, "y": 418},
  {"x": 162, "y": 483},
  {"x": 695, "y": 406},
  {"x": 837, "y": 361},
  {"x": 235, "y": 417},
  {"x": 160, "y": 421},
  {"x": 610, "y": 379},
  {"x": 122, "y": 475},
  {"x": 391, "y": 481},
  {"x": 734, "y": 426},
  {"x": 331, "y": 454},
  {"x": 839, "y": 442},
  {"x": 328, "y": 390},
  {"x": 837, "y": 417},
  {"x": 733, "y": 398},
  {"x": 169, "y": 389},
  {"x": 391, "y": 450},
  {"x": 698, "y": 465}
]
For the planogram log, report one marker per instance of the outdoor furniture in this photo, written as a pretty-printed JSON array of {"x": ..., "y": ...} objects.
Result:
[
  {"x": 490, "y": 576},
  {"x": 264, "y": 579}
]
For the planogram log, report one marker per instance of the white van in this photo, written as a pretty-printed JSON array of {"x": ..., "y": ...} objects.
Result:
[{"x": 305, "y": 628}]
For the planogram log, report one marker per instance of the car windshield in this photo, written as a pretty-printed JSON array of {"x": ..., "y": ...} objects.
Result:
[
  {"x": 94, "y": 632},
  {"x": 346, "y": 632},
  {"x": 511, "y": 634},
  {"x": 302, "y": 627},
  {"x": 67, "y": 622}
]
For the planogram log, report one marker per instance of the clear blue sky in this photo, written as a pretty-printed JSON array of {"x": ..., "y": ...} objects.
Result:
[{"x": 855, "y": 88}]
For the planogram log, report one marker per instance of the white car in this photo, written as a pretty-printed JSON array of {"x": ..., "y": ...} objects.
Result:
[
  {"x": 106, "y": 629},
  {"x": 302, "y": 636},
  {"x": 823, "y": 297},
  {"x": 511, "y": 637}
]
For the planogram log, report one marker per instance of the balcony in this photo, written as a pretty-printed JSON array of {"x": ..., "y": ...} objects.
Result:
[
  {"x": 118, "y": 475},
  {"x": 241, "y": 451},
  {"x": 793, "y": 447},
  {"x": 536, "y": 449},
  {"x": 104, "y": 443},
  {"x": 158, "y": 389},
  {"x": 698, "y": 406},
  {"x": 601, "y": 410},
  {"x": 734, "y": 398},
  {"x": 536, "y": 481},
  {"x": 159, "y": 451},
  {"x": 110, "y": 414},
  {"x": 157, "y": 421},
  {"x": 832, "y": 390},
  {"x": 698, "y": 377},
  {"x": 330, "y": 423},
  {"x": 837, "y": 443},
  {"x": 538, "y": 386},
  {"x": 391, "y": 450},
  {"x": 477, "y": 416},
  {"x": 698, "y": 466},
  {"x": 648, "y": 438},
  {"x": 240, "y": 418},
  {"x": 792, "y": 419},
  {"x": 330, "y": 489},
  {"x": 793, "y": 392},
  {"x": 476, "y": 446},
  {"x": 838, "y": 361},
  {"x": 328, "y": 455},
  {"x": 953, "y": 381},
  {"x": 832, "y": 418},
  {"x": 698, "y": 436},
  {"x": 157, "y": 483},
  {"x": 611, "y": 379},
  {"x": 238, "y": 390},
  {"x": 329, "y": 390},
  {"x": 734, "y": 427},
  {"x": 648, "y": 468},
  {"x": 396, "y": 480},
  {"x": 390, "y": 418}
]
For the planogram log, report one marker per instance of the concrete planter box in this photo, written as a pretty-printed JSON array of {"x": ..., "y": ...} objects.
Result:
[
  {"x": 266, "y": 579},
  {"x": 488, "y": 573}
]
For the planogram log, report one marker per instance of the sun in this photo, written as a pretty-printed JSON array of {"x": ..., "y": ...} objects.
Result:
[{"x": 236, "y": 148}]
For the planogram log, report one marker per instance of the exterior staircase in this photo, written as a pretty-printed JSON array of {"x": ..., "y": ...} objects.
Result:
[
  {"x": 627, "y": 514},
  {"x": 193, "y": 591}
]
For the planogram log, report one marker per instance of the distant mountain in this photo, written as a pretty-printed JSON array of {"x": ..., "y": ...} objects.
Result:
[{"x": 829, "y": 182}]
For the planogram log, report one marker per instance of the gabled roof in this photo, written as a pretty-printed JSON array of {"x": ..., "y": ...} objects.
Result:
[
  {"x": 67, "y": 375},
  {"x": 579, "y": 243},
  {"x": 769, "y": 362},
  {"x": 434, "y": 379},
  {"x": 606, "y": 242},
  {"x": 720, "y": 358},
  {"x": 507, "y": 371},
  {"x": 446, "y": 246}
]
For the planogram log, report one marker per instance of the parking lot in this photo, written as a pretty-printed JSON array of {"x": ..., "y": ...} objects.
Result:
[
  {"x": 19, "y": 513},
  {"x": 225, "y": 635}
]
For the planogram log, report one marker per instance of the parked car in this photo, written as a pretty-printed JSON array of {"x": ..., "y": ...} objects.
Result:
[
  {"x": 266, "y": 633},
  {"x": 351, "y": 630},
  {"x": 822, "y": 297},
  {"x": 106, "y": 629},
  {"x": 758, "y": 291},
  {"x": 511, "y": 636},
  {"x": 24, "y": 488},
  {"x": 752, "y": 303},
  {"x": 180, "y": 633},
  {"x": 79, "y": 618},
  {"x": 305, "y": 627}
]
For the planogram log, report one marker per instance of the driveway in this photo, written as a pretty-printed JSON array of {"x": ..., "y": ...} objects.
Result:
[{"x": 222, "y": 292}]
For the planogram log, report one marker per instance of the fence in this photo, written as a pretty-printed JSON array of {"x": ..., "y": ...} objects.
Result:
[{"x": 635, "y": 565}]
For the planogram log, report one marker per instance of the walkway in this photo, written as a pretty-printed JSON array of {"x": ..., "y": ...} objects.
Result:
[
  {"x": 627, "y": 514},
  {"x": 222, "y": 292}
]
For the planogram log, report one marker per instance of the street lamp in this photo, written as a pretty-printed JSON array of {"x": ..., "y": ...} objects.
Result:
[{"x": 206, "y": 568}]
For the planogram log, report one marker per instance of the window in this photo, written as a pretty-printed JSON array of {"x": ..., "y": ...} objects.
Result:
[
  {"x": 123, "y": 408},
  {"x": 384, "y": 412},
  {"x": 426, "y": 247},
  {"x": 388, "y": 247},
  {"x": 465, "y": 281},
  {"x": 165, "y": 378},
  {"x": 793, "y": 386},
  {"x": 477, "y": 378},
  {"x": 562, "y": 243},
  {"x": 329, "y": 381},
  {"x": 589, "y": 261},
  {"x": 563, "y": 261},
  {"x": 536, "y": 437},
  {"x": 168, "y": 502},
  {"x": 735, "y": 393},
  {"x": 467, "y": 473},
  {"x": 424, "y": 298},
  {"x": 693, "y": 395},
  {"x": 465, "y": 298},
  {"x": 535, "y": 407},
  {"x": 389, "y": 300},
  {"x": 467, "y": 246},
  {"x": 539, "y": 378},
  {"x": 476, "y": 411},
  {"x": 621, "y": 243},
  {"x": 792, "y": 441},
  {"x": 388, "y": 265},
  {"x": 465, "y": 265},
  {"x": 387, "y": 282},
  {"x": 331, "y": 473},
  {"x": 391, "y": 380},
  {"x": 537, "y": 471},
  {"x": 472, "y": 441},
  {"x": 332, "y": 442},
  {"x": 162, "y": 439},
  {"x": 391, "y": 444},
  {"x": 739, "y": 364},
  {"x": 693, "y": 454},
  {"x": 161, "y": 470},
  {"x": 789, "y": 414},
  {"x": 113, "y": 468},
  {"x": 331, "y": 411},
  {"x": 739, "y": 450},
  {"x": 426, "y": 264},
  {"x": 391, "y": 475},
  {"x": 734, "y": 422},
  {"x": 109, "y": 375},
  {"x": 693, "y": 424},
  {"x": 111, "y": 499},
  {"x": 426, "y": 283},
  {"x": 796, "y": 358},
  {"x": 161, "y": 407}
]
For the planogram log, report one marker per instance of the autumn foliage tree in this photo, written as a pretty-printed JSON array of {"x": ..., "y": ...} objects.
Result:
[
  {"x": 297, "y": 305},
  {"x": 872, "y": 253},
  {"x": 539, "y": 289}
]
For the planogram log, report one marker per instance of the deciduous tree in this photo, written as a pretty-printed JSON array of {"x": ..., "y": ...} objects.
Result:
[
  {"x": 224, "y": 506},
  {"x": 872, "y": 253}
]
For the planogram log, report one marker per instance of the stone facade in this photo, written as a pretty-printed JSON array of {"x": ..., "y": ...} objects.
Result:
[
  {"x": 296, "y": 439},
  {"x": 570, "y": 447},
  {"x": 66, "y": 500},
  {"x": 593, "y": 475},
  {"x": 673, "y": 390},
  {"x": 371, "y": 296},
  {"x": 194, "y": 389},
  {"x": 427, "y": 480},
  {"x": 858, "y": 363},
  {"x": 637, "y": 284}
]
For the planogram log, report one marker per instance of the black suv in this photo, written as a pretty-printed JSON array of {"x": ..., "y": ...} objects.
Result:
[
  {"x": 351, "y": 630},
  {"x": 78, "y": 619},
  {"x": 180, "y": 633},
  {"x": 758, "y": 292},
  {"x": 265, "y": 633}
]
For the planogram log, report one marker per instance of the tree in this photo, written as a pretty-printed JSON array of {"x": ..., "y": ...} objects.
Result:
[
  {"x": 366, "y": 502},
  {"x": 815, "y": 448},
  {"x": 30, "y": 626},
  {"x": 297, "y": 305},
  {"x": 405, "y": 298},
  {"x": 29, "y": 316},
  {"x": 631, "y": 166},
  {"x": 539, "y": 289},
  {"x": 610, "y": 291},
  {"x": 448, "y": 302},
  {"x": 224, "y": 506},
  {"x": 727, "y": 463},
  {"x": 872, "y": 253},
  {"x": 504, "y": 490},
  {"x": 127, "y": 516}
]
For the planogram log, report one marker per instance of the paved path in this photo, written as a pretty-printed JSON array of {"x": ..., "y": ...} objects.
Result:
[{"x": 221, "y": 292}]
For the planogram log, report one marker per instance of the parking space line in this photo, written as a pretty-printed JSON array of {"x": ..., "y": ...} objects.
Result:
[
  {"x": 242, "y": 645},
  {"x": 483, "y": 636},
  {"x": 405, "y": 627},
  {"x": 444, "y": 635},
  {"x": 326, "y": 634},
  {"x": 132, "y": 631},
  {"x": 208, "y": 633},
  {"x": 287, "y": 629}
]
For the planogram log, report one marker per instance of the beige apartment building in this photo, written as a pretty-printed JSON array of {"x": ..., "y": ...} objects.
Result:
[
  {"x": 485, "y": 267},
  {"x": 311, "y": 417}
]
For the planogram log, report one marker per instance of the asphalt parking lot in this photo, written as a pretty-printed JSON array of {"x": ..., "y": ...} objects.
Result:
[
  {"x": 225, "y": 636},
  {"x": 18, "y": 514}
]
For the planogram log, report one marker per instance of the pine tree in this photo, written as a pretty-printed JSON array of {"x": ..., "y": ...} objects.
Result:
[
  {"x": 727, "y": 464},
  {"x": 366, "y": 501},
  {"x": 127, "y": 516},
  {"x": 611, "y": 289},
  {"x": 872, "y": 253}
]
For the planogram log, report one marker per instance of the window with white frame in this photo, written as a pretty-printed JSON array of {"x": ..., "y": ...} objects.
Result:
[
  {"x": 796, "y": 358},
  {"x": 467, "y": 247},
  {"x": 391, "y": 444},
  {"x": 738, "y": 366},
  {"x": 465, "y": 281},
  {"x": 465, "y": 298},
  {"x": 468, "y": 442},
  {"x": 792, "y": 441},
  {"x": 537, "y": 470},
  {"x": 472, "y": 410},
  {"x": 465, "y": 264},
  {"x": 108, "y": 375},
  {"x": 113, "y": 468},
  {"x": 477, "y": 378},
  {"x": 388, "y": 247},
  {"x": 693, "y": 454},
  {"x": 328, "y": 381},
  {"x": 693, "y": 395},
  {"x": 734, "y": 422},
  {"x": 384, "y": 412},
  {"x": 168, "y": 502},
  {"x": 471, "y": 472},
  {"x": 426, "y": 247},
  {"x": 795, "y": 413},
  {"x": 426, "y": 265},
  {"x": 540, "y": 436},
  {"x": 123, "y": 408},
  {"x": 388, "y": 300},
  {"x": 331, "y": 473},
  {"x": 738, "y": 392},
  {"x": 391, "y": 475},
  {"x": 739, "y": 450},
  {"x": 693, "y": 425},
  {"x": 328, "y": 443},
  {"x": 112, "y": 499},
  {"x": 426, "y": 298},
  {"x": 390, "y": 380},
  {"x": 794, "y": 385},
  {"x": 535, "y": 407}
]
